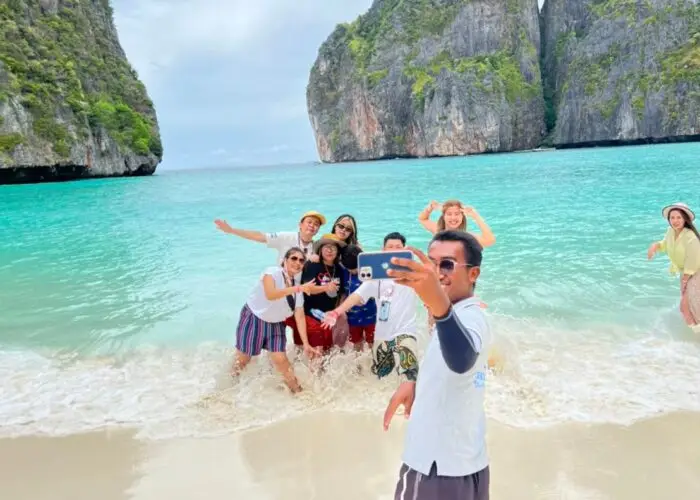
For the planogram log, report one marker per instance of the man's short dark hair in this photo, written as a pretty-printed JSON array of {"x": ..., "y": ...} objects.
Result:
[
  {"x": 472, "y": 247},
  {"x": 395, "y": 236},
  {"x": 348, "y": 257}
]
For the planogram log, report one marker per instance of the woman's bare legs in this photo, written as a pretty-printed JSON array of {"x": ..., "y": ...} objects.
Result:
[
  {"x": 240, "y": 361},
  {"x": 284, "y": 367}
]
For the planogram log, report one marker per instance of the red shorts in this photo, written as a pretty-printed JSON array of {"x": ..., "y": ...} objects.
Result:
[
  {"x": 317, "y": 335},
  {"x": 360, "y": 333}
]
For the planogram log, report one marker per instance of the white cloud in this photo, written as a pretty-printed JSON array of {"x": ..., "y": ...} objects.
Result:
[
  {"x": 159, "y": 34},
  {"x": 228, "y": 77}
]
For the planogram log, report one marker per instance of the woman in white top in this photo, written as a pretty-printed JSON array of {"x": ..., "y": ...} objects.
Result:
[{"x": 277, "y": 296}]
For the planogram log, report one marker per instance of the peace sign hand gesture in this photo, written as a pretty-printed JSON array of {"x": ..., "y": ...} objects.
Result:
[{"x": 423, "y": 278}]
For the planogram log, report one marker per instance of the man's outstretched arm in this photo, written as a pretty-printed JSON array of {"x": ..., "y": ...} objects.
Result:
[{"x": 243, "y": 233}]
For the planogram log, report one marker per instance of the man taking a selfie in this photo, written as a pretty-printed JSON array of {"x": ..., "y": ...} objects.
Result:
[
  {"x": 445, "y": 454},
  {"x": 395, "y": 344}
]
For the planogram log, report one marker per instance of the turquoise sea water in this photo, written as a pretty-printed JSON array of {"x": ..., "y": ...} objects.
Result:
[{"x": 119, "y": 298}]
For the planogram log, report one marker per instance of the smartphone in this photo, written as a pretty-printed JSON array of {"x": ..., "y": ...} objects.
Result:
[{"x": 374, "y": 265}]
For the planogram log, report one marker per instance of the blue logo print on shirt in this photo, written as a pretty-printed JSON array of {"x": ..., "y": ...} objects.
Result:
[{"x": 479, "y": 380}]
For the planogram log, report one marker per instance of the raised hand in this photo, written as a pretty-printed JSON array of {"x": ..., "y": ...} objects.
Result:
[
  {"x": 223, "y": 226},
  {"x": 469, "y": 212},
  {"x": 423, "y": 278}
]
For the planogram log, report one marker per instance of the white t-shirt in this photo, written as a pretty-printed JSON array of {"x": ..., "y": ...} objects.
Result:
[
  {"x": 396, "y": 307},
  {"x": 448, "y": 422},
  {"x": 286, "y": 240},
  {"x": 273, "y": 311}
]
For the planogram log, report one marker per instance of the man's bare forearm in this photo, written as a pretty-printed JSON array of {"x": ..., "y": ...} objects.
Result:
[{"x": 249, "y": 235}]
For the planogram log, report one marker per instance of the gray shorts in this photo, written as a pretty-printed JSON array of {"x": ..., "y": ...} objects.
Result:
[{"x": 413, "y": 485}]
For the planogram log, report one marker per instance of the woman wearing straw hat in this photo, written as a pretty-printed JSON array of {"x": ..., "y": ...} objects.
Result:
[
  {"x": 682, "y": 245},
  {"x": 326, "y": 292}
]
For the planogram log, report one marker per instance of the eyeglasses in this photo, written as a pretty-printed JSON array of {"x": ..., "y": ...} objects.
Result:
[
  {"x": 448, "y": 266},
  {"x": 343, "y": 227},
  {"x": 296, "y": 258}
]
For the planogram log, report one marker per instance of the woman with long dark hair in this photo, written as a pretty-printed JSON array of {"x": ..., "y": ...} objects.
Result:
[
  {"x": 682, "y": 245},
  {"x": 345, "y": 229}
]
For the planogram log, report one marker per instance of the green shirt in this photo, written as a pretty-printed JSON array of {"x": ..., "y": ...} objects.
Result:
[{"x": 683, "y": 251}]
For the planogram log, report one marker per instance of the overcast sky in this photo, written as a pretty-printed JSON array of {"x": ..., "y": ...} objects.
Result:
[{"x": 228, "y": 78}]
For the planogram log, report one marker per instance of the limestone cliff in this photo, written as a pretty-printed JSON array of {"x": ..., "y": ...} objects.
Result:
[
  {"x": 621, "y": 70},
  {"x": 71, "y": 106},
  {"x": 429, "y": 78}
]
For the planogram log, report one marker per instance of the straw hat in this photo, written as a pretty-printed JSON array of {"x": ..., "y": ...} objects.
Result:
[
  {"x": 314, "y": 213},
  {"x": 678, "y": 206},
  {"x": 328, "y": 238}
]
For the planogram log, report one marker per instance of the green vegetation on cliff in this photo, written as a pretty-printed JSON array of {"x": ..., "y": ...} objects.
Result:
[
  {"x": 640, "y": 61},
  {"x": 397, "y": 21},
  {"x": 68, "y": 71},
  {"x": 497, "y": 72}
]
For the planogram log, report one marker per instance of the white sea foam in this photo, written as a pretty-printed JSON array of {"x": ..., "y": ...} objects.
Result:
[{"x": 548, "y": 376}]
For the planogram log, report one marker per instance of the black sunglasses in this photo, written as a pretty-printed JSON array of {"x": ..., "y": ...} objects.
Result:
[{"x": 296, "y": 258}]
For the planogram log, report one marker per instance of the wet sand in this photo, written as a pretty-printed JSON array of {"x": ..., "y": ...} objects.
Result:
[{"x": 345, "y": 456}]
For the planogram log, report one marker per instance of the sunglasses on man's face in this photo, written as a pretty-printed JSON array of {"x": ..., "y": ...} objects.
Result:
[{"x": 448, "y": 266}]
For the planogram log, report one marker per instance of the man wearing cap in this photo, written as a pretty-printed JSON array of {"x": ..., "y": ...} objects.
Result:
[{"x": 309, "y": 224}]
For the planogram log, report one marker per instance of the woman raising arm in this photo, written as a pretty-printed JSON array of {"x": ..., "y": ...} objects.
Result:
[{"x": 454, "y": 217}]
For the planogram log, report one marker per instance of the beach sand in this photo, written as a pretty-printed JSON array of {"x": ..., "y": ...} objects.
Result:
[{"x": 345, "y": 456}]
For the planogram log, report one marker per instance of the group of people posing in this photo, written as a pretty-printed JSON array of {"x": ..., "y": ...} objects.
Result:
[
  {"x": 315, "y": 290},
  {"x": 314, "y": 286}
]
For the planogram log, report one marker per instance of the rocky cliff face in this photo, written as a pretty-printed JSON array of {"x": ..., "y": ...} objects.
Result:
[
  {"x": 70, "y": 104},
  {"x": 429, "y": 78},
  {"x": 621, "y": 70}
]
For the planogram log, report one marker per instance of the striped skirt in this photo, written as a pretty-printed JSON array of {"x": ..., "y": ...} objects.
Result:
[{"x": 253, "y": 334}]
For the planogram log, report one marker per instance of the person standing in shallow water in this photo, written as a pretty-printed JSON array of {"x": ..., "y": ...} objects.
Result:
[
  {"x": 454, "y": 216},
  {"x": 445, "y": 455},
  {"x": 394, "y": 342},
  {"x": 361, "y": 318},
  {"x": 326, "y": 292},
  {"x": 682, "y": 245},
  {"x": 277, "y": 296}
]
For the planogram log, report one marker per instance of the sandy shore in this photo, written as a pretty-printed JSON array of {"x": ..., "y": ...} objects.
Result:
[{"x": 343, "y": 456}]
